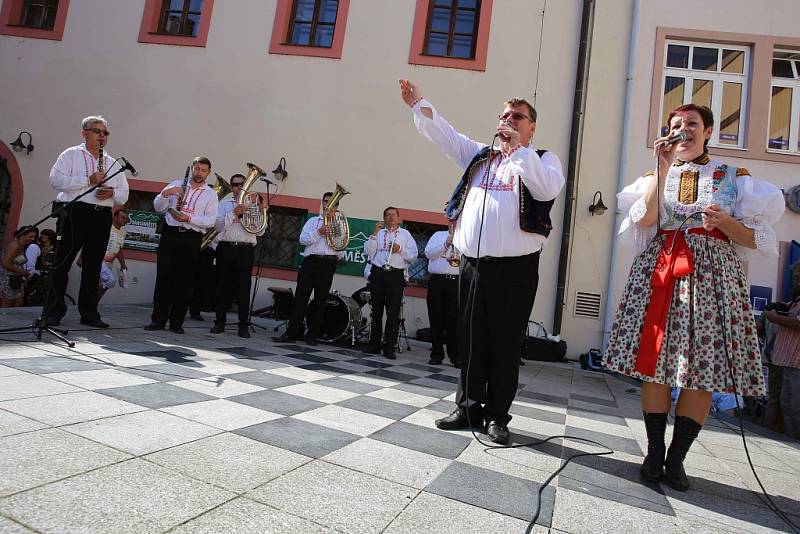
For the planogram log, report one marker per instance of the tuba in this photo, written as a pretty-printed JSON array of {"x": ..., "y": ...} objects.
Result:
[
  {"x": 221, "y": 188},
  {"x": 254, "y": 220},
  {"x": 338, "y": 235}
]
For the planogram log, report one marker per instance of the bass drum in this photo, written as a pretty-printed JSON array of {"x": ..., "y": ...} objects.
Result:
[{"x": 342, "y": 317}]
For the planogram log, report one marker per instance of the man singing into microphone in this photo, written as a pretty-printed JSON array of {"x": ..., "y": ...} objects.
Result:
[
  {"x": 501, "y": 208},
  {"x": 85, "y": 224}
]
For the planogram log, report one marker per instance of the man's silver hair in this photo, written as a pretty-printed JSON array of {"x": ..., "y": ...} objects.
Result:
[{"x": 93, "y": 119}]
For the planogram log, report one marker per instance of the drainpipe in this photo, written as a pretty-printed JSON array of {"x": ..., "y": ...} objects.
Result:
[
  {"x": 608, "y": 314},
  {"x": 573, "y": 165}
]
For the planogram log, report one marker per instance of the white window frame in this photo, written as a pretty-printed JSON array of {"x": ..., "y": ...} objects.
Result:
[
  {"x": 717, "y": 79},
  {"x": 794, "y": 117}
]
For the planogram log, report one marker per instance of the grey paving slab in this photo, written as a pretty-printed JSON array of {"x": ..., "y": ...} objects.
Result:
[
  {"x": 222, "y": 414},
  {"x": 429, "y": 512},
  {"x": 345, "y": 419},
  {"x": 427, "y": 440},
  {"x": 384, "y": 460},
  {"x": 298, "y": 436},
  {"x": 427, "y": 391},
  {"x": 277, "y": 402},
  {"x": 615, "y": 442},
  {"x": 258, "y": 365},
  {"x": 157, "y": 395},
  {"x": 337, "y": 497},
  {"x": 384, "y": 408},
  {"x": 100, "y": 379},
  {"x": 536, "y": 413},
  {"x": 34, "y": 458},
  {"x": 165, "y": 372},
  {"x": 729, "y": 515},
  {"x": 245, "y": 516},
  {"x": 265, "y": 380},
  {"x": 42, "y": 366},
  {"x": 8, "y": 526},
  {"x": 229, "y": 461},
  {"x": 508, "y": 495},
  {"x": 344, "y": 384},
  {"x": 528, "y": 463},
  {"x": 24, "y": 386},
  {"x": 68, "y": 408},
  {"x": 11, "y": 423},
  {"x": 132, "y": 496},
  {"x": 597, "y": 414},
  {"x": 542, "y": 397},
  {"x": 142, "y": 432}
]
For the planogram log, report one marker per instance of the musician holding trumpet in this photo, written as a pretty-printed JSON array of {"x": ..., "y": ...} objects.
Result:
[
  {"x": 443, "y": 263},
  {"x": 315, "y": 274},
  {"x": 234, "y": 256},
  {"x": 391, "y": 250},
  {"x": 191, "y": 208}
]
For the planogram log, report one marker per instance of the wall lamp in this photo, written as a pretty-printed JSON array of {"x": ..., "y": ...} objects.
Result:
[
  {"x": 18, "y": 146},
  {"x": 597, "y": 207},
  {"x": 280, "y": 171}
]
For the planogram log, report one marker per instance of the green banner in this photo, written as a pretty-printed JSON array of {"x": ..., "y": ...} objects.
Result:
[
  {"x": 353, "y": 256},
  {"x": 141, "y": 230}
]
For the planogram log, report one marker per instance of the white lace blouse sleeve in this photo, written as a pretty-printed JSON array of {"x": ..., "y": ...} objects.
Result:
[
  {"x": 759, "y": 206},
  {"x": 630, "y": 202}
]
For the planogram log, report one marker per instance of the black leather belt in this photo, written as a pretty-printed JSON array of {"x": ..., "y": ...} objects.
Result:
[
  {"x": 333, "y": 257},
  {"x": 180, "y": 229},
  {"x": 387, "y": 268},
  {"x": 237, "y": 243}
]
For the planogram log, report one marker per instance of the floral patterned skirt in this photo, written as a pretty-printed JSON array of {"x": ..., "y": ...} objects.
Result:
[{"x": 710, "y": 340}]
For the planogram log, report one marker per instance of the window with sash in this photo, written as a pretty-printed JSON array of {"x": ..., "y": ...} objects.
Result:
[
  {"x": 313, "y": 23},
  {"x": 452, "y": 28},
  {"x": 40, "y": 14},
  {"x": 180, "y": 17},
  {"x": 784, "y": 109},
  {"x": 709, "y": 75},
  {"x": 421, "y": 232},
  {"x": 279, "y": 246}
]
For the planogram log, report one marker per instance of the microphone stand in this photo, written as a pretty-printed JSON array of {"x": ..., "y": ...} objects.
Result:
[
  {"x": 39, "y": 324},
  {"x": 250, "y": 322}
]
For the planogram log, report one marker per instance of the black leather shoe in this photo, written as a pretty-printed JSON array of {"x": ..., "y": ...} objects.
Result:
[
  {"x": 458, "y": 420},
  {"x": 435, "y": 361},
  {"x": 52, "y": 321},
  {"x": 154, "y": 326},
  {"x": 176, "y": 329},
  {"x": 244, "y": 331},
  {"x": 217, "y": 328},
  {"x": 497, "y": 432},
  {"x": 311, "y": 340},
  {"x": 285, "y": 338},
  {"x": 456, "y": 364},
  {"x": 371, "y": 349},
  {"x": 97, "y": 323},
  {"x": 197, "y": 317},
  {"x": 389, "y": 355}
]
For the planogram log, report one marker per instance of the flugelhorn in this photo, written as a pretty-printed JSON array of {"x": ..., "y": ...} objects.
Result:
[
  {"x": 338, "y": 235},
  {"x": 254, "y": 220}
]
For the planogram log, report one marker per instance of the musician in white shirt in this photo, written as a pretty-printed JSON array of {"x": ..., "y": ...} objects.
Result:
[
  {"x": 442, "y": 296},
  {"x": 391, "y": 250},
  {"x": 502, "y": 211},
  {"x": 86, "y": 224},
  {"x": 315, "y": 274},
  {"x": 234, "y": 248},
  {"x": 191, "y": 208}
]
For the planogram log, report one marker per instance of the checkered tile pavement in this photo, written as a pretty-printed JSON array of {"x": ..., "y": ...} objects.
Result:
[{"x": 236, "y": 434}]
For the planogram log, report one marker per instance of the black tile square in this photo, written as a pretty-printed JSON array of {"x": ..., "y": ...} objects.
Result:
[
  {"x": 296, "y": 348},
  {"x": 391, "y": 375},
  {"x": 328, "y": 368},
  {"x": 348, "y": 385},
  {"x": 445, "y": 378},
  {"x": 382, "y": 407},
  {"x": 423, "y": 367},
  {"x": 164, "y": 372},
  {"x": 593, "y": 400},
  {"x": 248, "y": 353},
  {"x": 155, "y": 396},
  {"x": 277, "y": 402},
  {"x": 423, "y": 390},
  {"x": 347, "y": 352},
  {"x": 536, "y": 413},
  {"x": 172, "y": 356},
  {"x": 48, "y": 365},
  {"x": 543, "y": 397},
  {"x": 494, "y": 491},
  {"x": 369, "y": 362},
  {"x": 298, "y": 436},
  {"x": 617, "y": 443},
  {"x": 265, "y": 380},
  {"x": 311, "y": 358},
  {"x": 419, "y": 438}
]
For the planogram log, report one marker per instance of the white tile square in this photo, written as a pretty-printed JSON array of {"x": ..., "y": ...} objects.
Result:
[
  {"x": 218, "y": 386},
  {"x": 100, "y": 379},
  {"x": 24, "y": 386},
  {"x": 70, "y": 408},
  {"x": 222, "y": 414},
  {"x": 317, "y": 392},
  {"x": 403, "y": 397},
  {"x": 10, "y": 371},
  {"x": 214, "y": 367},
  {"x": 375, "y": 381},
  {"x": 304, "y": 375},
  {"x": 345, "y": 419}
]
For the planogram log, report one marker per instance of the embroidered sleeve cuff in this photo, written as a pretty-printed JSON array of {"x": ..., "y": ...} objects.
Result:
[
  {"x": 638, "y": 210},
  {"x": 763, "y": 235},
  {"x": 415, "y": 102},
  {"x": 517, "y": 147}
]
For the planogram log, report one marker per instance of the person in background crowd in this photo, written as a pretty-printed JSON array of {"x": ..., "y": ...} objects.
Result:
[
  {"x": 442, "y": 296},
  {"x": 12, "y": 268},
  {"x": 786, "y": 356},
  {"x": 116, "y": 239}
]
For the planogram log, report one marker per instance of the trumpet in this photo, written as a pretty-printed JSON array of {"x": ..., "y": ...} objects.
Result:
[
  {"x": 386, "y": 266},
  {"x": 453, "y": 255}
]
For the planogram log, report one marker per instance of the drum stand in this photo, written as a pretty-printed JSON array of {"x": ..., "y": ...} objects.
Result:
[{"x": 401, "y": 330}]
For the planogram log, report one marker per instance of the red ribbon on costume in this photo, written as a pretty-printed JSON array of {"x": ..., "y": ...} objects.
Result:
[{"x": 674, "y": 261}]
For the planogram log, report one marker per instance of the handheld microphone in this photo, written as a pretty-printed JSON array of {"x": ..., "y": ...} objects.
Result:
[
  {"x": 129, "y": 167},
  {"x": 677, "y": 137}
]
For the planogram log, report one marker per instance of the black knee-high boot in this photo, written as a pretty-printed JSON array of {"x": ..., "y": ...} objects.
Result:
[
  {"x": 683, "y": 435},
  {"x": 652, "y": 469}
]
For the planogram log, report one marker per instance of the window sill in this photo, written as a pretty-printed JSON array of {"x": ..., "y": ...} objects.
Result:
[
  {"x": 306, "y": 46},
  {"x": 782, "y": 152}
]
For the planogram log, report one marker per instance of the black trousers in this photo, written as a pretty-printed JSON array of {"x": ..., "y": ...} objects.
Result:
[
  {"x": 205, "y": 283},
  {"x": 443, "y": 315},
  {"x": 387, "y": 291},
  {"x": 83, "y": 227},
  {"x": 496, "y": 298},
  {"x": 316, "y": 274},
  {"x": 177, "y": 257},
  {"x": 234, "y": 265}
]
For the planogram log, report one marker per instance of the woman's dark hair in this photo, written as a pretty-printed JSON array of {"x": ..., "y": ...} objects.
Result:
[
  {"x": 26, "y": 230},
  {"x": 51, "y": 235},
  {"x": 706, "y": 115}
]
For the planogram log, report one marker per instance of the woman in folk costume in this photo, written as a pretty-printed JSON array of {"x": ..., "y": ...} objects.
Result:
[{"x": 685, "y": 318}]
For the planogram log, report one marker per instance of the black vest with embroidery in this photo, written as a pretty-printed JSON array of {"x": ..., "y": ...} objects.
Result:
[{"x": 534, "y": 215}]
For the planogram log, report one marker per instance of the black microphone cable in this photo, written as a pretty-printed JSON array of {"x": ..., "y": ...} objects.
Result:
[{"x": 472, "y": 294}]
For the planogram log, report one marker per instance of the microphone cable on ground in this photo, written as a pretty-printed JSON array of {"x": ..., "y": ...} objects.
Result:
[{"x": 472, "y": 294}]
